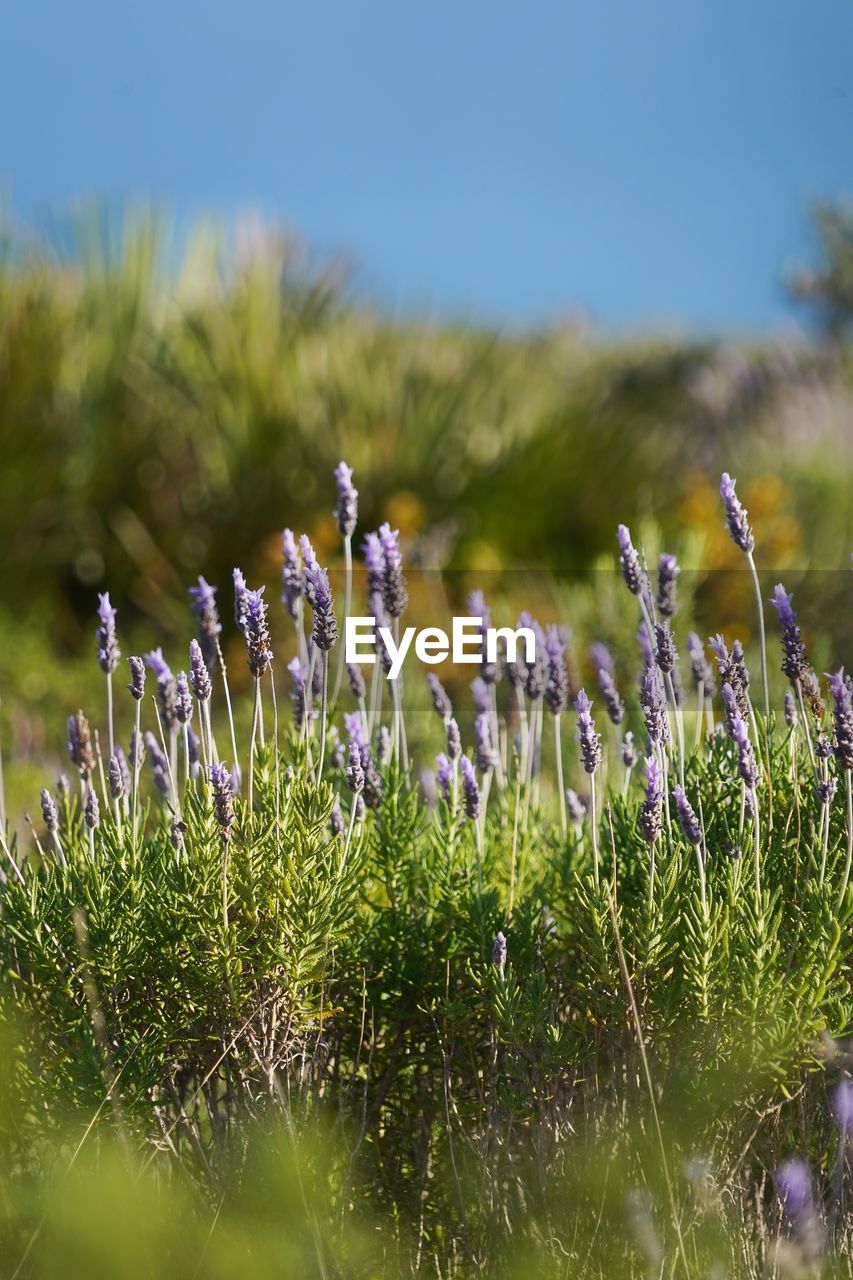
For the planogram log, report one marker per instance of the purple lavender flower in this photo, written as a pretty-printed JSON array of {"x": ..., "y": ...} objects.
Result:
[
  {"x": 794, "y": 1188},
  {"x": 826, "y": 791},
  {"x": 444, "y": 774},
  {"x": 557, "y": 691},
  {"x": 80, "y": 745},
  {"x": 292, "y": 585},
  {"x": 613, "y": 704},
  {"x": 477, "y": 608},
  {"x": 470, "y": 789},
  {"x": 223, "y": 799},
  {"x": 440, "y": 699},
  {"x": 668, "y": 571},
  {"x": 790, "y": 709},
  {"x": 356, "y": 681},
  {"x": 842, "y": 1105},
  {"x": 601, "y": 658},
  {"x": 649, "y": 817},
  {"x": 842, "y": 718},
  {"x": 487, "y": 756},
  {"x": 159, "y": 764},
  {"x": 309, "y": 561},
  {"x": 536, "y": 681},
  {"x": 108, "y": 650},
  {"x": 590, "y": 741},
  {"x": 325, "y": 632},
  {"x": 347, "y": 508},
  {"x": 137, "y": 678},
  {"x": 183, "y": 699},
  {"x": 125, "y": 770},
  {"x": 499, "y": 952},
  {"x": 454, "y": 740},
  {"x": 687, "y": 819},
  {"x": 199, "y": 674},
  {"x": 747, "y": 767},
  {"x": 646, "y": 645},
  {"x": 298, "y": 673},
  {"x": 336, "y": 818},
  {"x": 166, "y": 691},
  {"x": 700, "y": 668},
  {"x": 665, "y": 651},
  {"x": 575, "y": 807},
  {"x": 632, "y": 571},
  {"x": 384, "y": 745},
  {"x": 240, "y": 590},
  {"x": 794, "y": 661},
  {"x": 629, "y": 751},
  {"x": 207, "y": 617},
  {"x": 374, "y": 559},
  {"x": 653, "y": 705},
  {"x": 482, "y": 697},
  {"x": 736, "y": 516},
  {"x": 115, "y": 777},
  {"x": 49, "y": 811},
  {"x": 732, "y": 671},
  {"x": 256, "y": 630},
  {"x": 394, "y": 591},
  {"x": 354, "y": 726},
  {"x": 355, "y": 770},
  {"x": 732, "y": 710},
  {"x": 92, "y": 810}
]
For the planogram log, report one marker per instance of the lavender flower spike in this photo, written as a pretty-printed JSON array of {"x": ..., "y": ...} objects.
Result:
[
  {"x": 183, "y": 699},
  {"x": 794, "y": 662},
  {"x": 454, "y": 740},
  {"x": 842, "y": 719},
  {"x": 137, "y": 678},
  {"x": 347, "y": 508},
  {"x": 355, "y": 770},
  {"x": 92, "y": 811},
  {"x": 668, "y": 571},
  {"x": 223, "y": 799},
  {"x": 199, "y": 674},
  {"x": 487, "y": 756},
  {"x": 394, "y": 592},
  {"x": 444, "y": 774},
  {"x": 207, "y": 615},
  {"x": 590, "y": 741},
  {"x": 632, "y": 572},
  {"x": 80, "y": 745},
  {"x": 240, "y": 589},
  {"x": 687, "y": 819},
  {"x": 499, "y": 952},
  {"x": 747, "y": 767},
  {"x": 650, "y": 811},
  {"x": 575, "y": 807},
  {"x": 470, "y": 789},
  {"x": 49, "y": 811},
  {"x": 699, "y": 665},
  {"x": 440, "y": 699},
  {"x": 665, "y": 652},
  {"x": 557, "y": 690},
  {"x": 256, "y": 631},
  {"x": 115, "y": 777},
  {"x": 291, "y": 574},
  {"x": 319, "y": 592},
  {"x": 108, "y": 650},
  {"x": 736, "y": 516}
]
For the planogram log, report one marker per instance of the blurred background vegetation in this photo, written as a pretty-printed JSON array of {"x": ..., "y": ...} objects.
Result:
[{"x": 167, "y": 406}]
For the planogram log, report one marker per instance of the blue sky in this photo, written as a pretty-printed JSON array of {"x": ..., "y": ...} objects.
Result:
[{"x": 648, "y": 162}]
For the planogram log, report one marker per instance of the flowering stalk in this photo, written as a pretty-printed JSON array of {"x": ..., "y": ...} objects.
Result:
[
  {"x": 347, "y": 517},
  {"x": 744, "y": 539},
  {"x": 108, "y": 655},
  {"x": 590, "y": 745},
  {"x": 557, "y": 695},
  {"x": 324, "y": 635},
  {"x": 842, "y": 717}
]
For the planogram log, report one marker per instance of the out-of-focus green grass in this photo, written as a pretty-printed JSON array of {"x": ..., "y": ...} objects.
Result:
[{"x": 166, "y": 410}]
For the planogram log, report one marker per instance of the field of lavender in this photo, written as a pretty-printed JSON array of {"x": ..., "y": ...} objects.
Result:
[{"x": 548, "y": 972}]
